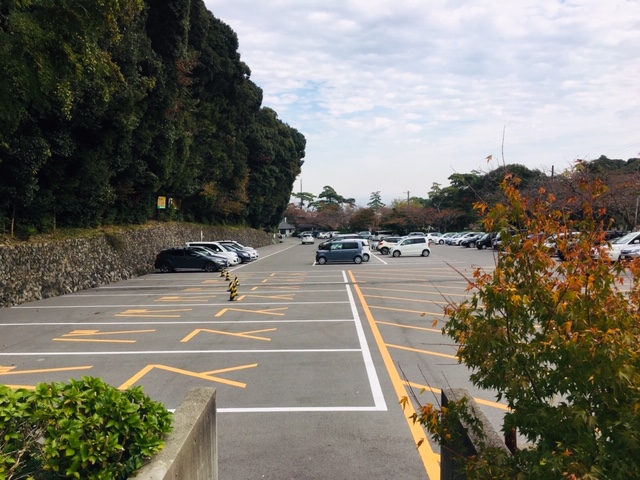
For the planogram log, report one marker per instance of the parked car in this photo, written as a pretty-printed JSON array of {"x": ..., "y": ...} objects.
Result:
[
  {"x": 445, "y": 236},
  {"x": 243, "y": 255},
  {"x": 469, "y": 240},
  {"x": 207, "y": 251},
  {"x": 629, "y": 253},
  {"x": 380, "y": 234},
  {"x": 485, "y": 241},
  {"x": 307, "y": 239},
  {"x": 365, "y": 234},
  {"x": 220, "y": 249},
  {"x": 434, "y": 237},
  {"x": 186, "y": 258},
  {"x": 453, "y": 239},
  {"x": 414, "y": 245},
  {"x": 463, "y": 236},
  {"x": 366, "y": 248},
  {"x": 551, "y": 243},
  {"x": 618, "y": 244},
  {"x": 340, "y": 251},
  {"x": 386, "y": 244},
  {"x": 252, "y": 251},
  {"x": 416, "y": 234}
]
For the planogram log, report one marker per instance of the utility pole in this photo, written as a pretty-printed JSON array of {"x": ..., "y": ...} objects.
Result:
[
  {"x": 408, "y": 193},
  {"x": 301, "y": 194}
]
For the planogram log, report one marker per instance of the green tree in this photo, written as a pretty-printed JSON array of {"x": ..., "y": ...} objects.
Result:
[
  {"x": 304, "y": 197},
  {"x": 375, "y": 201},
  {"x": 557, "y": 341}
]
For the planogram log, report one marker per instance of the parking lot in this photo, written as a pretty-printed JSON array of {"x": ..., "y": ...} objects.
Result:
[{"x": 309, "y": 361}]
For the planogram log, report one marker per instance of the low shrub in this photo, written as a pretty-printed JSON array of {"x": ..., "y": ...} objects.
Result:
[{"x": 82, "y": 429}]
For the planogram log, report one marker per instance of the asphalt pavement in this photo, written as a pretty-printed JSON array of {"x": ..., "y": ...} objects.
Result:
[{"x": 309, "y": 361}]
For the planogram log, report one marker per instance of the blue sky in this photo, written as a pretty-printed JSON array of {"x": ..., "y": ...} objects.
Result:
[{"x": 394, "y": 96}]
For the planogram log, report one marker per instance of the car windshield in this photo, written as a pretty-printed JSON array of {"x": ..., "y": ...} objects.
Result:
[{"x": 626, "y": 239}]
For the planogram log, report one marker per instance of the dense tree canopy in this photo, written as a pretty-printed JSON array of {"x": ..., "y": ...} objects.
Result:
[
  {"x": 451, "y": 208},
  {"x": 104, "y": 106}
]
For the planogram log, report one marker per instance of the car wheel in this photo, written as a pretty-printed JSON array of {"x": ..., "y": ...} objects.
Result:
[
  {"x": 166, "y": 268},
  {"x": 365, "y": 258},
  {"x": 322, "y": 260},
  {"x": 472, "y": 244},
  {"x": 357, "y": 259},
  {"x": 210, "y": 267},
  {"x": 396, "y": 253},
  {"x": 384, "y": 251},
  {"x": 440, "y": 242},
  {"x": 426, "y": 253}
]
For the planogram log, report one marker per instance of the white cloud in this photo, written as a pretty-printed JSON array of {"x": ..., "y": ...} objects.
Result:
[{"x": 393, "y": 96}]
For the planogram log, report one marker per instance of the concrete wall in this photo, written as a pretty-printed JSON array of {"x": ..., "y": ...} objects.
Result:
[
  {"x": 33, "y": 271},
  {"x": 191, "y": 451}
]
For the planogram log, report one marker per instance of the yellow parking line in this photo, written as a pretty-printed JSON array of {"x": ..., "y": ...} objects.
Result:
[
  {"x": 439, "y": 291},
  {"x": 437, "y": 391},
  {"x": 426, "y": 352},
  {"x": 418, "y": 312},
  {"x": 430, "y": 459},
  {"x": 408, "y": 299},
  {"x": 400, "y": 325}
]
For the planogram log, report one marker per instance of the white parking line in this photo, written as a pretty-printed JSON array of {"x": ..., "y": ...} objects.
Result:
[{"x": 374, "y": 381}]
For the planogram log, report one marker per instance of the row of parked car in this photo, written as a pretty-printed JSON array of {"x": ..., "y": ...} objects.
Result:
[
  {"x": 208, "y": 256},
  {"x": 355, "y": 248},
  {"x": 620, "y": 245}
]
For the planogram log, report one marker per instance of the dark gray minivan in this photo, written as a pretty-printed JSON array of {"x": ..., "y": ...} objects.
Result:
[{"x": 341, "y": 251}]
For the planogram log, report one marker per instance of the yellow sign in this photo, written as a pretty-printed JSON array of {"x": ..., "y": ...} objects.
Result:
[{"x": 162, "y": 203}]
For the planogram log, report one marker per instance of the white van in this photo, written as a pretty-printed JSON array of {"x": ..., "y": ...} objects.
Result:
[{"x": 412, "y": 246}]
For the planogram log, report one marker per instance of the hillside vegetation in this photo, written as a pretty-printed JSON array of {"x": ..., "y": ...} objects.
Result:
[{"x": 106, "y": 106}]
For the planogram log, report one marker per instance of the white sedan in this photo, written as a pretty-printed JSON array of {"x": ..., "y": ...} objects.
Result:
[{"x": 307, "y": 238}]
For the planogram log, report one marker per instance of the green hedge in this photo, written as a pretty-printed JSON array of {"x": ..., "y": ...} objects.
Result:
[{"x": 84, "y": 429}]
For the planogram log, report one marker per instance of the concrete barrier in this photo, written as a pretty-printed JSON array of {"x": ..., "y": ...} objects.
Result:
[
  {"x": 450, "y": 456},
  {"x": 191, "y": 451}
]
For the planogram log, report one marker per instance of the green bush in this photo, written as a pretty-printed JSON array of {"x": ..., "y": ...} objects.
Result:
[{"x": 84, "y": 429}]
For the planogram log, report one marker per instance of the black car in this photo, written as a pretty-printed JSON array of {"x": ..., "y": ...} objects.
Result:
[
  {"x": 471, "y": 240},
  {"x": 179, "y": 258},
  {"x": 243, "y": 255},
  {"x": 485, "y": 241}
]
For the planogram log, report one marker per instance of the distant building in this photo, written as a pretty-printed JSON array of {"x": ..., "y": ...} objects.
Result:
[{"x": 285, "y": 228}]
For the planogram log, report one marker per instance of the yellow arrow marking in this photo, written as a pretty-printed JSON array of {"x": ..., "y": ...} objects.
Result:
[
  {"x": 176, "y": 298},
  {"x": 290, "y": 274},
  {"x": 268, "y": 311},
  {"x": 280, "y": 287},
  {"x": 203, "y": 376},
  {"x": 275, "y": 297},
  {"x": 84, "y": 333},
  {"x": 9, "y": 370},
  {"x": 201, "y": 289},
  {"x": 143, "y": 312},
  {"x": 240, "y": 334}
]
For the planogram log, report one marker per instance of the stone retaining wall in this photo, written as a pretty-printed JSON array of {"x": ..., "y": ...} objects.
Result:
[{"x": 33, "y": 271}]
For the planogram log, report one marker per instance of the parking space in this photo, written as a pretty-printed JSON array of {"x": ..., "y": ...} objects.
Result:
[{"x": 314, "y": 341}]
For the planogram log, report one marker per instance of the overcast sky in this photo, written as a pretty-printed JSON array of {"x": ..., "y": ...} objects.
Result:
[{"x": 393, "y": 96}]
